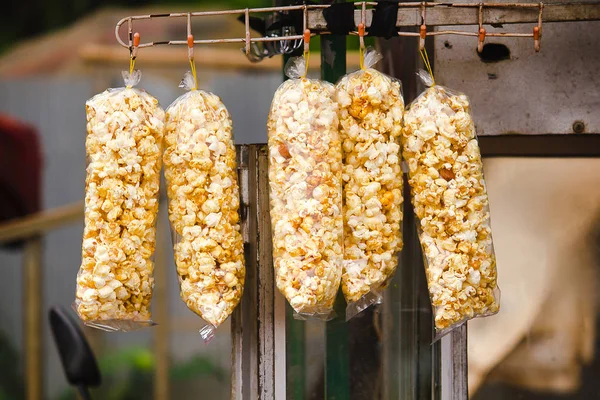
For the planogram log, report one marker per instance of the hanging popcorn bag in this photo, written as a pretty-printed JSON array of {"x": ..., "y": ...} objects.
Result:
[
  {"x": 123, "y": 147},
  {"x": 450, "y": 201},
  {"x": 202, "y": 187},
  {"x": 370, "y": 114},
  {"x": 305, "y": 169}
]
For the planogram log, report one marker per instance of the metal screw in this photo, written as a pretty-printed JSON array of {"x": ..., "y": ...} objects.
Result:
[{"x": 578, "y": 127}]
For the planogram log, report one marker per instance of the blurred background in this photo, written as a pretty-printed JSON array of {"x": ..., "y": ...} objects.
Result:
[{"x": 54, "y": 55}]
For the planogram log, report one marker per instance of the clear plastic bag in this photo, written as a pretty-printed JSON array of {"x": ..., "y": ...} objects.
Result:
[
  {"x": 305, "y": 167},
  {"x": 202, "y": 186},
  {"x": 450, "y": 201},
  {"x": 124, "y": 145},
  {"x": 370, "y": 114}
]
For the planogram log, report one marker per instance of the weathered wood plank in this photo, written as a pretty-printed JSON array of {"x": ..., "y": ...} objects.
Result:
[{"x": 40, "y": 223}]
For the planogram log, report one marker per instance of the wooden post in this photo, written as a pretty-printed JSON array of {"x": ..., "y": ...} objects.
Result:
[{"x": 33, "y": 293}]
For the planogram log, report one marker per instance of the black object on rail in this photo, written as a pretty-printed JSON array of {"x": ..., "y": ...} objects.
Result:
[{"x": 340, "y": 18}]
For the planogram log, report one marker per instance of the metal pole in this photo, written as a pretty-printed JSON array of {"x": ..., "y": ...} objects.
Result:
[
  {"x": 295, "y": 333},
  {"x": 454, "y": 365},
  {"x": 33, "y": 293},
  {"x": 411, "y": 361},
  {"x": 161, "y": 311},
  {"x": 337, "y": 372},
  {"x": 258, "y": 323}
]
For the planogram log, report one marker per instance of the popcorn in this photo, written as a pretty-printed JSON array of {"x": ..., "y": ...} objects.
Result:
[
  {"x": 450, "y": 200},
  {"x": 305, "y": 155},
  {"x": 201, "y": 175},
  {"x": 371, "y": 109},
  {"x": 123, "y": 145}
]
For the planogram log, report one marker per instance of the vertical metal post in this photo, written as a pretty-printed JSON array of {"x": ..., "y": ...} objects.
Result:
[
  {"x": 295, "y": 332},
  {"x": 161, "y": 310},
  {"x": 337, "y": 373},
  {"x": 454, "y": 365},
  {"x": 33, "y": 293},
  {"x": 258, "y": 324},
  {"x": 412, "y": 363}
]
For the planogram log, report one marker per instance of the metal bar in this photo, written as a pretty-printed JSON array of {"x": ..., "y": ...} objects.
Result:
[
  {"x": 454, "y": 365},
  {"x": 273, "y": 319},
  {"x": 295, "y": 333},
  {"x": 161, "y": 333},
  {"x": 240, "y": 337},
  {"x": 400, "y": 61},
  {"x": 295, "y": 348},
  {"x": 337, "y": 374},
  {"x": 257, "y": 322},
  {"x": 409, "y": 306},
  {"x": 409, "y": 14},
  {"x": 280, "y": 346},
  {"x": 266, "y": 278},
  {"x": 206, "y": 57},
  {"x": 244, "y": 320},
  {"x": 33, "y": 301},
  {"x": 551, "y": 145}
]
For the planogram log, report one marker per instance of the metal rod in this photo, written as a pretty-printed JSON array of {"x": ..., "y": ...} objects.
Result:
[
  {"x": 161, "y": 339},
  {"x": 295, "y": 332},
  {"x": 409, "y": 14},
  {"x": 258, "y": 323},
  {"x": 454, "y": 364},
  {"x": 32, "y": 291},
  {"x": 337, "y": 362}
]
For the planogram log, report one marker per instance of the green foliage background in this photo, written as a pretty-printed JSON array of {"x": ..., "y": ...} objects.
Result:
[{"x": 24, "y": 19}]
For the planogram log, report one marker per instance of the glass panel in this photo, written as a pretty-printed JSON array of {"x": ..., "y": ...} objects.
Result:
[
  {"x": 389, "y": 346},
  {"x": 543, "y": 343}
]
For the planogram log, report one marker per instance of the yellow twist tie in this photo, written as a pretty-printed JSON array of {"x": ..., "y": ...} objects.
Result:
[
  {"x": 425, "y": 58},
  {"x": 306, "y": 56},
  {"x": 193, "y": 68}
]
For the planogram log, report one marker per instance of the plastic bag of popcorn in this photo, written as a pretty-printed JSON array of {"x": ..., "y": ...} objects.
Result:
[
  {"x": 202, "y": 187},
  {"x": 123, "y": 145},
  {"x": 450, "y": 201},
  {"x": 305, "y": 178},
  {"x": 370, "y": 114}
]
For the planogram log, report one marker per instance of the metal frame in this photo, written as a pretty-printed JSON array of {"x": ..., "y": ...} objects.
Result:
[
  {"x": 409, "y": 14},
  {"x": 550, "y": 145},
  {"x": 258, "y": 323}
]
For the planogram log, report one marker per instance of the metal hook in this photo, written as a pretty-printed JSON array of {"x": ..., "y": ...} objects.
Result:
[
  {"x": 190, "y": 38},
  {"x": 130, "y": 36},
  {"x": 537, "y": 31},
  {"x": 423, "y": 28},
  {"x": 306, "y": 40},
  {"x": 482, "y": 32},
  {"x": 361, "y": 25},
  {"x": 304, "y": 19},
  {"x": 136, "y": 44},
  {"x": 247, "y": 25}
]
